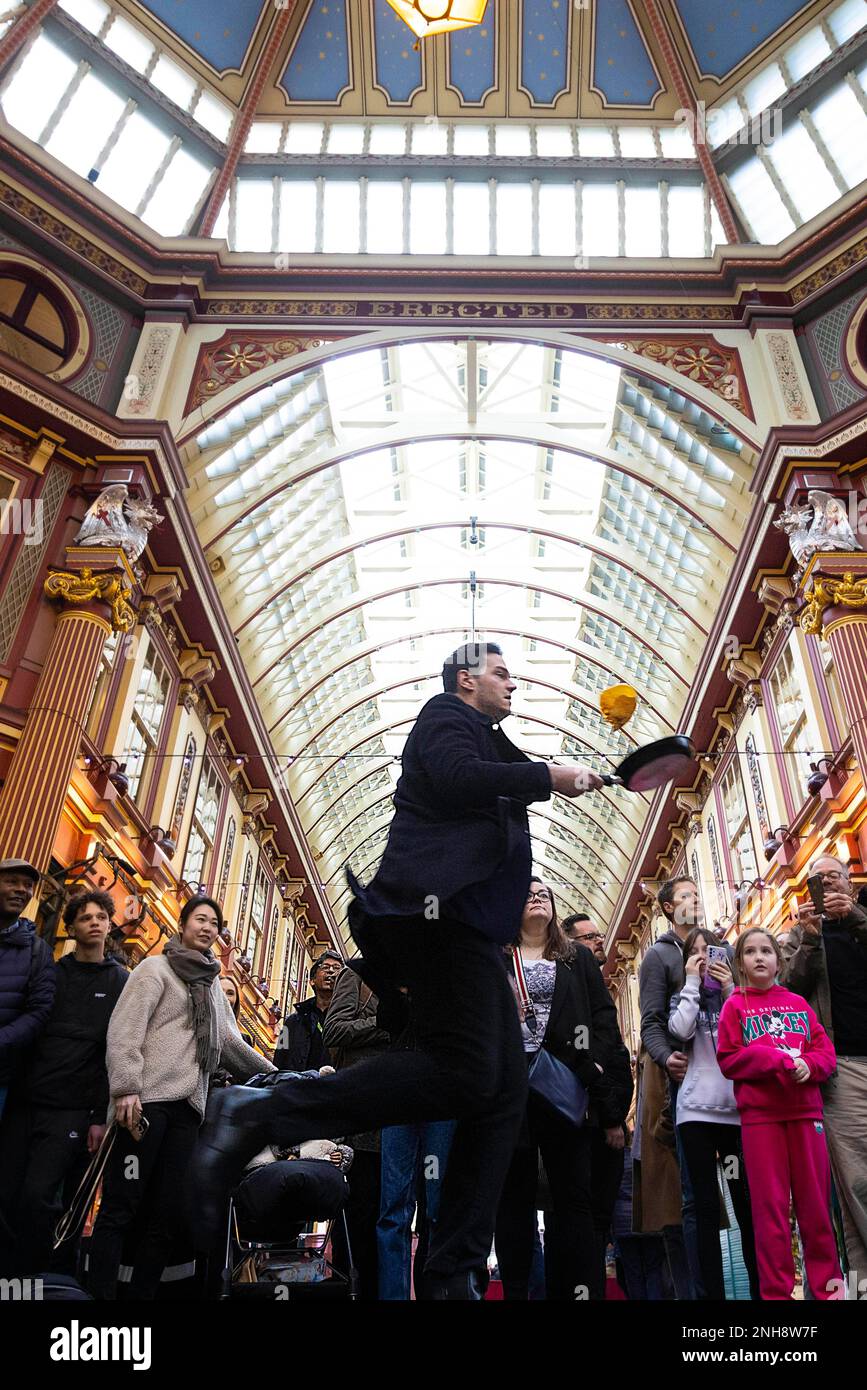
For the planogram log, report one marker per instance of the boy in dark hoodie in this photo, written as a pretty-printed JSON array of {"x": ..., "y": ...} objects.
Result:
[{"x": 57, "y": 1105}]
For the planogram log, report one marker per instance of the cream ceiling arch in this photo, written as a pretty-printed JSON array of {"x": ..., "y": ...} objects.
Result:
[{"x": 388, "y": 499}]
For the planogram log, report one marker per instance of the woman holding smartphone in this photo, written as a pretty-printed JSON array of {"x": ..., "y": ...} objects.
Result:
[
  {"x": 175, "y": 1028},
  {"x": 707, "y": 1116}
]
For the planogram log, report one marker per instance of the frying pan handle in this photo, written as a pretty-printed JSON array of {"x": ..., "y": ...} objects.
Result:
[{"x": 609, "y": 780}]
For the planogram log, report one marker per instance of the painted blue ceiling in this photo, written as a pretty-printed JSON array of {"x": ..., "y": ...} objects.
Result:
[
  {"x": 218, "y": 30},
  {"x": 545, "y": 48},
  {"x": 473, "y": 57},
  {"x": 560, "y": 58},
  {"x": 623, "y": 69},
  {"x": 723, "y": 35},
  {"x": 318, "y": 69},
  {"x": 397, "y": 61}
]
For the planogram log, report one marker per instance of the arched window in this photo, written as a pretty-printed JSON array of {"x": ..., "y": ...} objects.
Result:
[
  {"x": 227, "y": 862},
  {"x": 183, "y": 789}
]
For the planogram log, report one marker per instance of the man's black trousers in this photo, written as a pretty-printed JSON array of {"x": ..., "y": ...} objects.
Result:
[
  {"x": 40, "y": 1150},
  {"x": 468, "y": 1065}
]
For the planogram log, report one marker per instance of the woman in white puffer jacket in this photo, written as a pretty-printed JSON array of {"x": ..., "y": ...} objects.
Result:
[{"x": 708, "y": 1123}]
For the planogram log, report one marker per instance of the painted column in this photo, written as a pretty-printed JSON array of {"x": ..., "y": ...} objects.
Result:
[
  {"x": 835, "y": 592},
  {"x": 93, "y": 592}
]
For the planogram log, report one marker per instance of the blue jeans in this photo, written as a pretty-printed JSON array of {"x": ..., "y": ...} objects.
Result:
[
  {"x": 410, "y": 1153},
  {"x": 688, "y": 1215}
]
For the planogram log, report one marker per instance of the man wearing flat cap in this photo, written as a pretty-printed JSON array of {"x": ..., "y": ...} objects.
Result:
[{"x": 26, "y": 971}]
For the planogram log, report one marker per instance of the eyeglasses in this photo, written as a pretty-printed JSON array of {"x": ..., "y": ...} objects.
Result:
[
  {"x": 590, "y": 936},
  {"x": 541, "y": 897},
  {"x": 827, "y": 875}
]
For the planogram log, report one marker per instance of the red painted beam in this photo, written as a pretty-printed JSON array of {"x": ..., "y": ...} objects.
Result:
[
  {"x": 687, "y": 100},
  {"x": 246, "y": 116},
  {"x": 23, "y": 28}
]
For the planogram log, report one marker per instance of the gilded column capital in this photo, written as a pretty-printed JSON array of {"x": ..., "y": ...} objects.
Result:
[
  {"x": 86, "y": 586},
  {"x": 826, "y": 592}
]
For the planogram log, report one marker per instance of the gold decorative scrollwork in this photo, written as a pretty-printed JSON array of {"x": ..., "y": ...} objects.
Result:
[
  {"x": 824, "y": 593},
  {"x": 87, "y": 587}
]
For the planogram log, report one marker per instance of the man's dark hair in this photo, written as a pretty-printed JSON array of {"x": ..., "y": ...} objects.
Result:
[
  {"x": 666, "y": 892},
  {"x": 92, "y": 895},
  {"x": 320, "y": 960},
  {"x": 569, "y": 922},
  {"x": 472, "y": 656}
]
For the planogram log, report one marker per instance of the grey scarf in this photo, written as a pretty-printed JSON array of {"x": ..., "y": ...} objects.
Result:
[{"x": 198, "y": 970}]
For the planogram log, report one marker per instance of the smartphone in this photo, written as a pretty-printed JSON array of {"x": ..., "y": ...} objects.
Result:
[
  {"x": 816, "y": 889},
  {"x": 714, "y": 953}
]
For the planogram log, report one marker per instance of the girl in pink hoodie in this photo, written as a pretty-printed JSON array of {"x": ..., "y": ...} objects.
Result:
[{"x": 775, "y": 1050}]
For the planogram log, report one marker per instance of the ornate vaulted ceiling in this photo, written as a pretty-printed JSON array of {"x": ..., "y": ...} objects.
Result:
[
  {"x": 527, "y": 57},
  {"x": 365, "y": 515}
]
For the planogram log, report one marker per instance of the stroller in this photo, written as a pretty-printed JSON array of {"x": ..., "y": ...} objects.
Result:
[{"x": 270, "y": 1250}]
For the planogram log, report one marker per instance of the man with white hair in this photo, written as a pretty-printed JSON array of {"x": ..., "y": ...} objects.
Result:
[{"x": 826, "y": 962}]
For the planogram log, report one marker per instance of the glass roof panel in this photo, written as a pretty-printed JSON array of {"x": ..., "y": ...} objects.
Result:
[{"x": 373, "y": 511}]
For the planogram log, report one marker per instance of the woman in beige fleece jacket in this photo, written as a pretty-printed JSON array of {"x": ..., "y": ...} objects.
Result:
[{"x": 175, "y": 1028}]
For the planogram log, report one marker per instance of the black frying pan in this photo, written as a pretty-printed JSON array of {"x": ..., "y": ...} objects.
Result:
[{"x": 650, "y": 767}]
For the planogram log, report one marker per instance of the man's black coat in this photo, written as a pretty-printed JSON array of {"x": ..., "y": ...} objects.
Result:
[
  {"x": 301, "y": 1046},
  {"x": 459, "y": 844}
]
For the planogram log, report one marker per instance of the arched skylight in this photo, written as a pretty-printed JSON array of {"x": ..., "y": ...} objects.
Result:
[{"x": 364, "y": 516}]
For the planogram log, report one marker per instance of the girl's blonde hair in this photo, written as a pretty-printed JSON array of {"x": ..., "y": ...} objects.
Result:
[{"x": 740, "y": 946}]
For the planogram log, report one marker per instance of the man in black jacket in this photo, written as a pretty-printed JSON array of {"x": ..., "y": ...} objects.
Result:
[
  {"x": 301, "y": 1046},
  {"x": 447, "y": 896},
  {"x": 26, "y": 971},
  {"x": 607, "y": 1140},
  {"x": 58, "y": 1103}
]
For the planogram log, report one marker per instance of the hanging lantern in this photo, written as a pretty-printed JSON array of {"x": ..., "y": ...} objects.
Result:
[
  {"x": 617, "y": 704},
  {"x": 427, "y": 17}
]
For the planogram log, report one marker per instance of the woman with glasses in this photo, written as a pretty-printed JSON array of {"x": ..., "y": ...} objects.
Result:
[{"x": 569, "y": 1013}]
